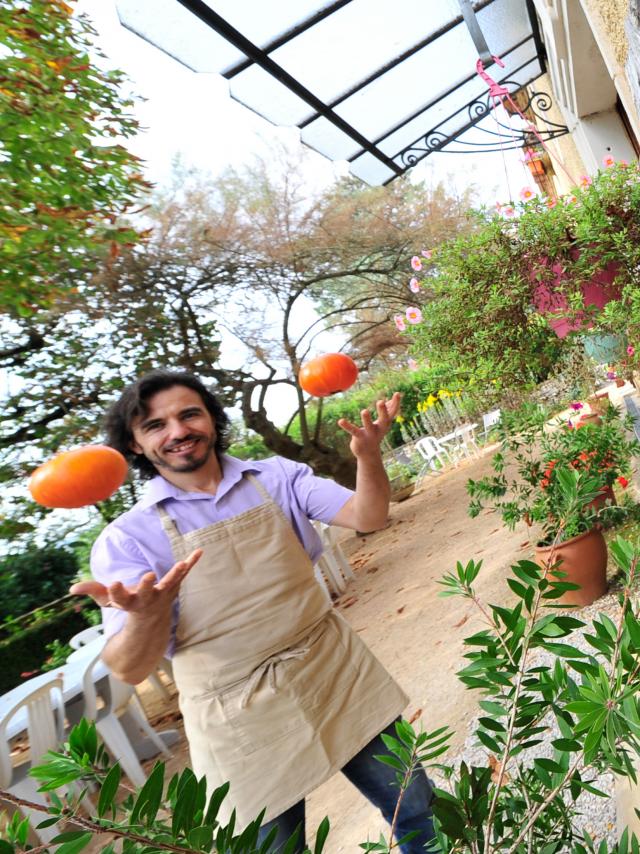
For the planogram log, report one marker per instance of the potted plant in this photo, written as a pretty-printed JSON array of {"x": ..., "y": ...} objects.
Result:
[
  {"x": 401, "y": 479},
  {"x": 559, "y": 482},
  {"x": 491, "y": 297}
]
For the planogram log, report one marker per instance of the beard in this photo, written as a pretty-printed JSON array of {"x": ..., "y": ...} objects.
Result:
[{"x": 191, "y": 461}]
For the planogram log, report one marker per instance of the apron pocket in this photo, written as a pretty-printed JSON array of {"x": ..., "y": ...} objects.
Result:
[{"x": 305, "y": 688}]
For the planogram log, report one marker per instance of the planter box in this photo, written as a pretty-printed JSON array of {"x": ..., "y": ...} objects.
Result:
[{"x": 549, "y": 300}]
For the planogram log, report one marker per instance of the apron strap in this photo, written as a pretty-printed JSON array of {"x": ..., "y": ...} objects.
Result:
[
  {"x": 268, "y": 668},
  {"x": 256, "y": 483},
  {"x": 169, "y": 525}
]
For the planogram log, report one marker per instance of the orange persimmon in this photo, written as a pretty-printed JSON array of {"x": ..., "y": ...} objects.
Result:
[{"x": 78, "y": 477}]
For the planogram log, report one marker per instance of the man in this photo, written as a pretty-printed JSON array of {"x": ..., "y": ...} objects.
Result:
[{"x": 214, "y": 566}]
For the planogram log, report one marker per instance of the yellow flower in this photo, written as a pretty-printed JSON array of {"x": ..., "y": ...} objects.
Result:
[
  {"x": 444, "y": 393},
  {"x": 431, "y": 400},
  {"x": 399, "y": 419}
]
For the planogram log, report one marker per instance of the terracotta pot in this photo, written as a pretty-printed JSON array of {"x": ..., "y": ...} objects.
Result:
[
  {"x": 402, "y": 492},
  {"x": 590, "y": 418},
  {"x": 605, "y": 494},
  {"x": 584, "y": 560}
]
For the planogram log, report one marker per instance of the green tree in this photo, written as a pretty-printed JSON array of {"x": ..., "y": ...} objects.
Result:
[
  {"x": 34, "y": 577},
  {"x": 65, "y": 181}
]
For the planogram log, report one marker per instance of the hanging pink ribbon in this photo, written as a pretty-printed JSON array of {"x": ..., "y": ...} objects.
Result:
[{"x": 499, "y": 94}]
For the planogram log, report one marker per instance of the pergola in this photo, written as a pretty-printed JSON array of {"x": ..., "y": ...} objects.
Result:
[{"x": 378, "y": 84}]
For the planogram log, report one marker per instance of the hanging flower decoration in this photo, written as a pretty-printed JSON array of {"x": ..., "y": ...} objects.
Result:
[
  {"x": 414, "y": 315},
  {"x": 609, "y": 161},
  {"x": 509, "y": 210},
  {"x": 416, "y": 263},
  {"x": 414, "y": 285},
  {"x": 526, "y": 193},
  {"x": 586, "y": 180},
  {"x": 399, "y": 322}
]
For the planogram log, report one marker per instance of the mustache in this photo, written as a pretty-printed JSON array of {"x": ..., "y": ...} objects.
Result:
[{"x": 190, "y": 438}]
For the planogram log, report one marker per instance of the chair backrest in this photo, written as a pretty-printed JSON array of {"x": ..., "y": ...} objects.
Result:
[
  {"x": 45, "y": 725},
  {"x": 489, "y": 419},
  {"x": 428, "y": 447},
  {"x": 85, "y": 636}
]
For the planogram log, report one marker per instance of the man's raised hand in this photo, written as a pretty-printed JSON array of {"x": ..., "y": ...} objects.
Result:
[
  {"x": 366, "y": 439},
  {"x": 148, "y": 596}
]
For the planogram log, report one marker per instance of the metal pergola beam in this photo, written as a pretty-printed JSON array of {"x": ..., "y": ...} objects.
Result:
[{"x": 259, "y": 57}]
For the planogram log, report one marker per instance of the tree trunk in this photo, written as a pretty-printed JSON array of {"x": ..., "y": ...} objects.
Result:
[{"x": 323, "y": 460}]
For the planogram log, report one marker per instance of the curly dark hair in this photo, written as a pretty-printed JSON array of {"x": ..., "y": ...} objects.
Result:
[{"x": 133, "y": 403}]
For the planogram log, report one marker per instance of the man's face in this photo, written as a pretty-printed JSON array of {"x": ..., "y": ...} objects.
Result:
[{"x": 178, "y": 433}]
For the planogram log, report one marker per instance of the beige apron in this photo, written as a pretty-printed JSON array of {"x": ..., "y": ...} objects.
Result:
[{"x": 276, "y": 690}]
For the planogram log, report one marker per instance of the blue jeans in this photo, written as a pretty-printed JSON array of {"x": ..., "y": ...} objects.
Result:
[{"x": 377, "y": 783}]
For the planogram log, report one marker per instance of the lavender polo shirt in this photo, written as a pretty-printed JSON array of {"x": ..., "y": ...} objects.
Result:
[{"x": 135, "y": 543}]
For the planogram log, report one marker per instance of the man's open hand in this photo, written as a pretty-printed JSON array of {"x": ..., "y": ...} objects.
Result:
[
  {"x": 148, "y": 597},
  {"x": 366, "y": 440}
]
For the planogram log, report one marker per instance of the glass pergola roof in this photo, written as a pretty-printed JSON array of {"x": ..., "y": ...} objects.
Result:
[{"x": 377, "y": 83}]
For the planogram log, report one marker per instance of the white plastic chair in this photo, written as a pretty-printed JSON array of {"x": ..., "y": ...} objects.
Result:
[
  {"x": 45, "y": 727},
  {"x": 85, "y": 636},
  {"x": 467, "y": 440},
  {"x": 121, "y": 698},
  {"x": 431, "y": 450},
  {"x": 489, "y": 420},
  {"x": 333, "y": 550},
  {"x": 88, "y": 635}
]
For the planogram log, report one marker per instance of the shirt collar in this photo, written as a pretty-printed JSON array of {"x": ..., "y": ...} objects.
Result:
[{"x": 160, "y": 489}]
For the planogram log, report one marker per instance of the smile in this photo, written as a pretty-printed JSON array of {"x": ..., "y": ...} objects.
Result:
[{"x": 183, "y": 447}]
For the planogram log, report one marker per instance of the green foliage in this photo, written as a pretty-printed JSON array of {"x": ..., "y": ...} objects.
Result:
[
  {"x": 58, "y": 654},
  {"x": 478, "y": 290},
  {"x": 35, "y": 576},
  {"x": 23, "y": 646},
  {"x": 247, "y": 445},
  {"x": 559, "y": 471},
  {"x": 160, "y": 816},
  {"x": 63, "y": 181}
]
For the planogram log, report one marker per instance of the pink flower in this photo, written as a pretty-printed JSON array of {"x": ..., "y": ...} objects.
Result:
[
  {"x": 570, "y": 200},
  {"x": 551, "y": 203},
  {"x": 609, "y": 160},
  {"x": 577, "y": 407},
  {"x": 416, "y": 263},
  {"x": 499, "y": 206},
  {"x": 399, "y": 321},
  {"x": 631, "y": 350},
  {"x": 623, "y": 162},
  {"x": 508, "y": 210},
  {"x": 586, "y": 180},
  {"x": 414, "y": 315},
  {"x": 413, "y": 365},
  {"x": 611, "y": 375},
  {"x": 427, "y": 253},
  {"x": 526, "y": 193},
  {"x": 414, "y": 285}
]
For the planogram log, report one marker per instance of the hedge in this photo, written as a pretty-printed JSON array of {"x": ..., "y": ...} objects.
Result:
[{"x": 26, "y": 651}]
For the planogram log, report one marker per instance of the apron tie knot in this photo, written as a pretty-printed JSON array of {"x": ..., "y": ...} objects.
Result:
[{"x": 268, "y": 667}]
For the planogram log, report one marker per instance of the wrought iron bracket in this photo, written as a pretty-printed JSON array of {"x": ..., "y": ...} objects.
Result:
[{"x": 496, "y": 135}]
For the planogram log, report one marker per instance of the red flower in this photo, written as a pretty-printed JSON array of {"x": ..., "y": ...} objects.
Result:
[{"x": 624, "y": 483}]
